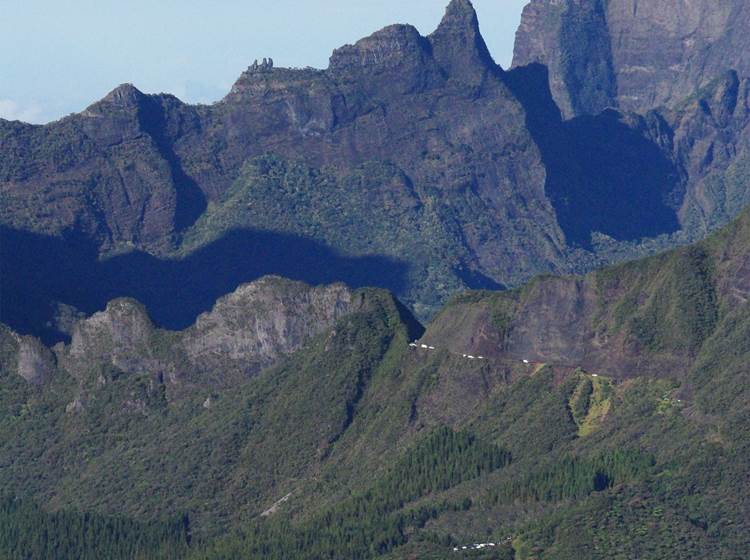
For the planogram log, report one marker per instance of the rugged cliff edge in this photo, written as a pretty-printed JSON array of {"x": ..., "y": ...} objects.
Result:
[
  {"x": 630, "y": 54},
  {"x": 245, "y": 332},
  {"x": 412, "y": 162}
]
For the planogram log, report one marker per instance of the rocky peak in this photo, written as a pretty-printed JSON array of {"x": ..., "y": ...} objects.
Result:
[
  {"x": 125, "y": 93},
  {"x": 391, "y": 47},
  {"x": 119, "y": 335},
  {"x": 124, "y": 96},
  {"x": 460, "y": 18},
  {"x": 263, "y": 319},
  {"x": 123, "y": 108},
  {"x": 458, "y": 45}
]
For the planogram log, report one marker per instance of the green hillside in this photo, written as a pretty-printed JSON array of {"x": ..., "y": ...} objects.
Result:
[{"x": 363, "y": 444}]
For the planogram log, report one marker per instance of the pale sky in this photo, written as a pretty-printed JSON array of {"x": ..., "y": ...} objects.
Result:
[{"x": 59, "y": 56}]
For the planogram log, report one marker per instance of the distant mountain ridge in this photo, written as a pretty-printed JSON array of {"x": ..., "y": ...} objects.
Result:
[{"x": 417, "y": 156}]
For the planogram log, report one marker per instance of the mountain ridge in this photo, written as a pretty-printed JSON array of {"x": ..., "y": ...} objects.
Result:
[
  {"x": 476, "y": 178},
  {"x": 376, "y": 398},
  {"x": 163, "y": 395}
]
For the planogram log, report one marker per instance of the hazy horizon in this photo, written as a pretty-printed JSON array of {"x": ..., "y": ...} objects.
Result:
[{"x": 190, "y": 48}]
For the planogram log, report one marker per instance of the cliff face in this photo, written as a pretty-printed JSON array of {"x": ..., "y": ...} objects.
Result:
[
  {"x": 711, "y": 142},
  {"x": 631, "y": 54},
  {"x": 259, "y": 322},
  {"x": 650, "y": 317},
  {"x": 136, "y": 171},
  {"x": 413, "y": 163},
  {"x": 245, "y": 332},
  {"x": 572, "y": 40}
]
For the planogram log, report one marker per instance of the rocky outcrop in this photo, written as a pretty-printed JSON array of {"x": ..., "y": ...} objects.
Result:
[
  {"x": 394, "y": 50},
  {"x": 245, "y": 332},
  {"x": 631, "y": 54},
  {"x": 458, "y": 46},
  {"x": 250, "y": 328},
  {"x": 572, "y": 40},
  {"x": 25, "y": 357},
  {"x": 121, "y": 336},
  {"x": 36, "y": 363}
]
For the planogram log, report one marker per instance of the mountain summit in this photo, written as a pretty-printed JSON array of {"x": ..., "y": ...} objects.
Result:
[
  {"x": 458, "y": 45},
  {"x": 412, "y": 162}
]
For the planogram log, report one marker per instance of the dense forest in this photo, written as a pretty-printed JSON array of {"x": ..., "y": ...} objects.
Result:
[
  {"x": 27, "y": 533},
  {"x": 374, "y": 522}
]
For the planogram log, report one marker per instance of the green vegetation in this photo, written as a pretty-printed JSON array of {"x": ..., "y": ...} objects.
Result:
[
  {"x": 683, "y": 311},
  {"x": 503, "y": 309},
  {"x": 666, "y": 303},
  {"x": 384, "y": 450},
  {"x": 373, "y": 209},
  {"x": 374, "y": 522},
  {"x": 27, "y": 532},
  {"x": 580, "y": 402},
  {"x": 443, "y": 460},
  {"x": 575, "y": 478},
  {"x": 591, "y": 403},
  {"x": 617, "y": 525}
]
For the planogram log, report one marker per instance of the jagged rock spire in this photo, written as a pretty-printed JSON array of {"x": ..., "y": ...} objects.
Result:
[
  {"x": 459, "y": 10},
  {"x": 458, "y": 45}
]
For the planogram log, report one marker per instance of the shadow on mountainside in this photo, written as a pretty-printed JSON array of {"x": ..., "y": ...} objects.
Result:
[
  {"x": 602, "y": 175},
  {"x": 190, "y": 199},
  {"x": 40, "y": 271}
]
